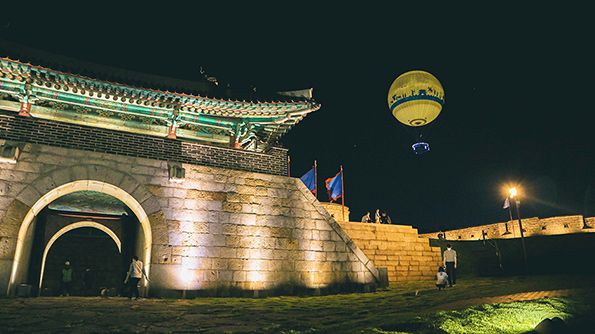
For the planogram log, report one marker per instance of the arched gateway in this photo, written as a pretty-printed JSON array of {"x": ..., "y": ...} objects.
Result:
[
  {"x": 201, "y": 172},
  {"x": 21, "y": 252}
]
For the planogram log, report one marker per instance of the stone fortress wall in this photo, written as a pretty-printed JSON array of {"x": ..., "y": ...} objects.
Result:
[
  {"x": 207, "y": 228},
  {"x": 399, "y": 248},
  {"x": 533, "y": 226},
  {"x": 235, "y": 223}
]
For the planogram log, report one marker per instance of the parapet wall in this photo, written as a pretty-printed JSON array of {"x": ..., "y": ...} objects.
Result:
[
  {"x": 53, "y": 133},
  {"x": 531, "y": 227},
  {"x": 396, "y": 247}
]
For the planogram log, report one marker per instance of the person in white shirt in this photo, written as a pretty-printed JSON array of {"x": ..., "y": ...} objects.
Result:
[
  {"x": 450, "y": 262},
  {"x": 135, "y": 273}
]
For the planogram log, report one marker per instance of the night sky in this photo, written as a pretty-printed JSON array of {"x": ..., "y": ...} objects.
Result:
[{"x": 518, "y": 89}]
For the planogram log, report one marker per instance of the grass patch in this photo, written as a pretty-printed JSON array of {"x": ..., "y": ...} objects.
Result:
[{"x": 514, "y": 317}]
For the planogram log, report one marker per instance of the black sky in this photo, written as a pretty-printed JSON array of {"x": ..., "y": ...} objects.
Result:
[{"x": 517, "y": 81}]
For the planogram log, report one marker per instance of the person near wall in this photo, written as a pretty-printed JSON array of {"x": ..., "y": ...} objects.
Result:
[
  {"x": 377, "y": 216},
  {"x": 66, "y": 280},
  {"x": 385, "y": 219},
  {"x": 441, "y": 279},
  {"x": 366, "y": 218},
  {"x": 450, "y": 262},
  {"x": 88, "y": 278},
  {"x": 134, "y": 275}
]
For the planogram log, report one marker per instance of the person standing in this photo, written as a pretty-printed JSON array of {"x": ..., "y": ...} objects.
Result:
[
  {"x": 88, "y": 278},
  {"x": 377, "y": 216},
  {"x": 66, "y": 280},
  {"x": 135, "y": 273},
  {"x": 450, "y": 262}
]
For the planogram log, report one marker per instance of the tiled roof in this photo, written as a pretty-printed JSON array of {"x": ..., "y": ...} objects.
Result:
[{"x": 253, "y": 120}]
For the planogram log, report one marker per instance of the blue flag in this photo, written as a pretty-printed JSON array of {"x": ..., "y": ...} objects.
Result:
[
  {"x": 335, "y": 187},
  {"x": 309, "y": 180}
]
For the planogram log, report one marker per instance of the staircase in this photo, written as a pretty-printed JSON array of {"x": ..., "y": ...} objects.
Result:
[{"x": 396, "y": 247}]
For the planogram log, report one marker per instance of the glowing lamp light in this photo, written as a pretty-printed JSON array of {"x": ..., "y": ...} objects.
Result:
[{"x": 512, "y": 192}]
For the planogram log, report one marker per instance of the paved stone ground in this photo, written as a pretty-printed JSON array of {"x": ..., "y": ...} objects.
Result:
[{"x": 120, "y": 315}]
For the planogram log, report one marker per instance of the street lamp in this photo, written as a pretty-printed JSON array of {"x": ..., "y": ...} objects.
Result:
[{"x": 513, "y": 193}]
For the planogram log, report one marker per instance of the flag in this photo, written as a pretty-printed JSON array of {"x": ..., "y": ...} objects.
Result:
[
  {"x": 335, "y": 187},
  {"x": 309, "y": 180},
  {"x": 506, "y": 204}
]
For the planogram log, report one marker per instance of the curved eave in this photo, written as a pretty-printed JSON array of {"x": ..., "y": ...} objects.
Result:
[
  {"x": 269, "y": 120},
  {"x": 41, "y": 78}
]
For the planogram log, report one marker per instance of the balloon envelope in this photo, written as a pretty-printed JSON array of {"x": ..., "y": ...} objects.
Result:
[{"x": 416, "y": 98}]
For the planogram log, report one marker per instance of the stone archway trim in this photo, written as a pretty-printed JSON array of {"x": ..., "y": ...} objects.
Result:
[
  {"x": 69, "y": 228},
  {"x": 82, "y": 185}
]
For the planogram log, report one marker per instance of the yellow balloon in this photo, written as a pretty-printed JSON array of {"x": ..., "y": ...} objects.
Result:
[{"x": 416, "y": 98}]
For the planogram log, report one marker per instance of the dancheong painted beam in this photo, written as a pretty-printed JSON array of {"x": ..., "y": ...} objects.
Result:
[{"x": 244, "y": 124}]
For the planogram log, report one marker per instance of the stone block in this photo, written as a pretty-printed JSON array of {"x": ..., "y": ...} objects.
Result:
[
  {"x": 209, "y": 240},
  {"x": 128, "y": 184},
  {"x": 328, "y": 246},
  {"x": 160, "y": 236},
  {"x": 175, "y": 238},
  {"x": 207, "y": 195},
  {"x": 60, "y": 176},
  {"x": 247, "y": 219},
  {"x": 191, "y": 239},
  {"x": 7, "y": 248},
  {"x": 257, "y": 183},
  {"x": 29, "y": 196},
  {"x": 239, "y": 276},
  {"x": 141, "y": 194},
  {"x": 232, "y": 207},
  {"x": 163, "y": 253},
  {"x": 97, "y": 172}
]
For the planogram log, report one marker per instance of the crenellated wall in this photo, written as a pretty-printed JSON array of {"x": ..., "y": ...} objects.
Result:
[
  {"x": 396, "y": 247},
  {"x": 531, "y": 227}
]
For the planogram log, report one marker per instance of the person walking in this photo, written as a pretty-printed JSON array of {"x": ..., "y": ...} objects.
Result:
[
  {"x": 450, "y": 262},
  {"x": 135, "y": 273}
]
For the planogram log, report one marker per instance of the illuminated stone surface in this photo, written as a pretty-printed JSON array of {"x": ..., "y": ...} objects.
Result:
[{"x": 218, "y": 229}]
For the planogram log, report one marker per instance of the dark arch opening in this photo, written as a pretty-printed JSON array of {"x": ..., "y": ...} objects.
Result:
[{"x": 84, "y": 247}]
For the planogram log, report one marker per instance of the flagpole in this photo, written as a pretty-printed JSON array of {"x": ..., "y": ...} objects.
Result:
[
  {"x": 511, "y": 223},
  {"x": 315, "y": 181},
  {"x": 342, "y": 194},
  {"x": 288, "y": 166}
]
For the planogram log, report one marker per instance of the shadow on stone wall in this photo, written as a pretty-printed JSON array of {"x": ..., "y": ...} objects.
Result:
[
  {"x": 558, "y": 254},
  {"x": 285, "y": 289}
]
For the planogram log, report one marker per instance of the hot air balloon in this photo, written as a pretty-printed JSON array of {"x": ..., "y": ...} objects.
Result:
[{"x": 415, "y": 98}]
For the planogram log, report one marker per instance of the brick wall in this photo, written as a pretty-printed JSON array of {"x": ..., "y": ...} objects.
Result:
[
  {"x": 53, "y": 133},
  {"x": 396, "y": 247}
]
